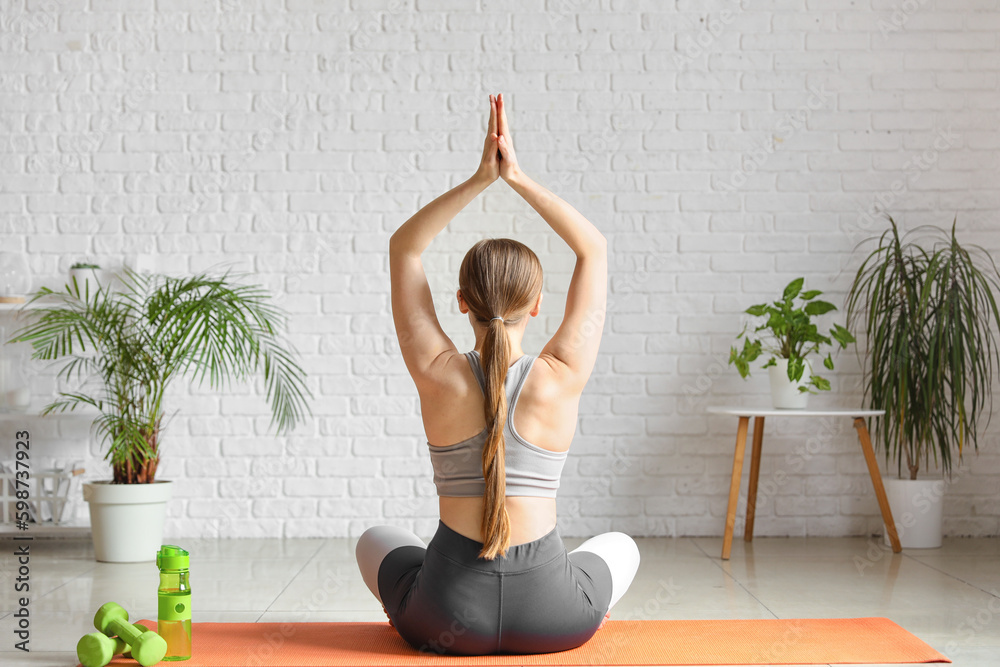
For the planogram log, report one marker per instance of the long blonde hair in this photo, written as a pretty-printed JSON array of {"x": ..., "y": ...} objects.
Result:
[{"x": 498, "y": 278}]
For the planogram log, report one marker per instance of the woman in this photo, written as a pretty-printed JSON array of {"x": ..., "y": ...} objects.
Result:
[{"x": 496, "y": 577}]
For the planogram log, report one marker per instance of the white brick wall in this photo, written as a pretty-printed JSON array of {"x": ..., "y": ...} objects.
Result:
[{"x": 724, "y": 148}]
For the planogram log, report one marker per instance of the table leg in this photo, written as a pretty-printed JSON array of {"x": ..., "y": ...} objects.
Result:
[
  {"x": 758, "y": 439},
  {"x": 734, "y": 487},
  {"x": 883, "y": 501}
]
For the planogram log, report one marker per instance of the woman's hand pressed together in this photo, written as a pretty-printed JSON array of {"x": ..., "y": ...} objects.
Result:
[
  {"x": 489, "y": 165},
  {"x": 499, "y": 159},
  {"x": 509, "y": 169}
]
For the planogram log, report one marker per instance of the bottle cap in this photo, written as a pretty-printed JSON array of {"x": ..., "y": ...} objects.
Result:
[{"x": 170, "y": 557}]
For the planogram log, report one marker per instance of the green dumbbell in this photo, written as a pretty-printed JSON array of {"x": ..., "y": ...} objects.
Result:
[
  {"x": 141, "y": 628},
  {"x": 148, "y": 648},
  {"x": 97, "y": 649}
]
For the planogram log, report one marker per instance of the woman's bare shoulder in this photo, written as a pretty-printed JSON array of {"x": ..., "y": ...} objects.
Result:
[
  {"x": 451, "y": 374},
  {"x": 557, "y": 379}
]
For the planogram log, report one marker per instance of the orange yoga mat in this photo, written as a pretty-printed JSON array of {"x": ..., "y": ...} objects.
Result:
[{"x": 739, "y": 642}]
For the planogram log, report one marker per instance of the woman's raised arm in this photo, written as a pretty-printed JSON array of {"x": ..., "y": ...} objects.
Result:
[
  {"x": 421, "y": 338},
  {"x": 416, "y": 234},
  {"x": 578, "y": 232},
  {"x": 574, "y": 345}
]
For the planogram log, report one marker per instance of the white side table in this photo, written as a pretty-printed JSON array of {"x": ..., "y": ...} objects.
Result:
[{"x": 744, "y": 414}]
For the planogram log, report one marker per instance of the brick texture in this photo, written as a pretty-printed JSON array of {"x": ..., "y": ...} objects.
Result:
[{"x": 723, "y": 148}]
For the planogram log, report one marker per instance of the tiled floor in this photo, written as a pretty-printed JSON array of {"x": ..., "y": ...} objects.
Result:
[{"x": 949, "y": 597}]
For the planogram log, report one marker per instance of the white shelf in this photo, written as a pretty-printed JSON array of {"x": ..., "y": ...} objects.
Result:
[
  {"x": 34, "y": 412},
  {"x": 68, "y": 529},
  {"x": 40, "y": 304}
]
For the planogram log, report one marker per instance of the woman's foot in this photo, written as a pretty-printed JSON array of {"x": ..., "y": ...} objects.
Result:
[
  {"x": 604, "y": 620},
  {"x": 390, "y": 618}
]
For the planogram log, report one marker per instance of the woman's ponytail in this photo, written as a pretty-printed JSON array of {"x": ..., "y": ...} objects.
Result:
[
  {"x": 496, "y": 359},
  {"x": 498, "y": 277}
]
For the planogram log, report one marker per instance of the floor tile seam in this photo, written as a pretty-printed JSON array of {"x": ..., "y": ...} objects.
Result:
[
  {"x": 292, "y": 578},
  {"x": 733, "y": 577},
  {"x": 739, "y": 583},
  {"x": 992, "y": 594},
  {"x": 69, "y": 581}
]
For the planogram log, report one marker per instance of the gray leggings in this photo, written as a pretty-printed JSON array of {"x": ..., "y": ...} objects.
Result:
[{"x": 539, "y": 598}]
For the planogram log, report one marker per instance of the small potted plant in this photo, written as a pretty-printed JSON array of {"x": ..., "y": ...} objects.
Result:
[
  {"x": 88, "y": 276},
  {"x": 139, "y": 340},
  {"x": 791, "y": 336},
  {"x": 929, "y": 314}
]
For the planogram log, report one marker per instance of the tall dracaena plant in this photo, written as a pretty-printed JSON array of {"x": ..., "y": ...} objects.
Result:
[
  {"x": 142, "y": 338},
  {"x": 930, "y": 316}
]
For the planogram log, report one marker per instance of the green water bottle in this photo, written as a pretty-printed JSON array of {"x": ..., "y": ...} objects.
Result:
[{"x": 173, "y": 619}]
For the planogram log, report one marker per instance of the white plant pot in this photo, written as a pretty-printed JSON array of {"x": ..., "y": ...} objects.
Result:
[
  {"x": 83, "y": 276},
  {"x": 916, "y": 511},
  {"x": 784, "y": 392},
  {"x": 126, "y": 520}
]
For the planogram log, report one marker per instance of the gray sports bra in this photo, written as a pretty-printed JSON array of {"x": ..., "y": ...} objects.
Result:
[{"x": 531, "y": 470}]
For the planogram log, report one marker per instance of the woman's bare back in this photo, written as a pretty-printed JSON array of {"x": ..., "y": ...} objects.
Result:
[{"x": 545, "y": 415}]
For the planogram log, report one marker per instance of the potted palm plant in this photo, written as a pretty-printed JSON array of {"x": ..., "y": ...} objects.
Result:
[
  {"x": 929, "y": 314},
  {"x": 135, "y": 342},
  {"x": 791, "y": 336}
]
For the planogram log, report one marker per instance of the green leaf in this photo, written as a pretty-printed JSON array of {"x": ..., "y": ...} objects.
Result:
[
  {"x": 758, "y": 310},
  {"x": 828, "y": 362},
  {"x": 842, "y": 335},
  {"x": 811, "y": 294},
  {"x": 793, "y": 288},
  {"x": 820, "y": 383},
  {"x": 776, "y": 323},
  {"x": 819, "y": 307},
  {"x": 742, "y": 359},
  {"x": 770, "y": 362},
  {"x": 796, "y": 366}
]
